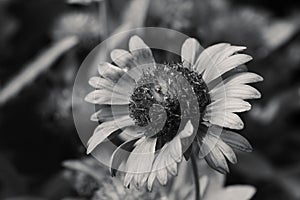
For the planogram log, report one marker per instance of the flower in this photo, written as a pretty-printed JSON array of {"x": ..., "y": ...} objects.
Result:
[{"x": 161, "y": 110}]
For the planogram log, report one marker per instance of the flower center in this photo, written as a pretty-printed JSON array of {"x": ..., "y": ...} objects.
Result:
[{"x": 162, "y": 99}]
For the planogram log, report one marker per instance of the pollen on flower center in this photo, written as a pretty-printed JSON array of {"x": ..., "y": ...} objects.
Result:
[{"x": 155, "y": 100}]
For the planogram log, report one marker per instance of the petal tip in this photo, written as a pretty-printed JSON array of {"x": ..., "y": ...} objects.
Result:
[
  {"x": 260, "y": 78},
  {"x": 135, "y": 43},
  {"x": 89, "y": 150},
  {"x": 89, "y": 99}
]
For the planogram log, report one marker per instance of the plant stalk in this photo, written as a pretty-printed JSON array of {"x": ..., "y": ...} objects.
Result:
[{"x": 196, "y": 178}]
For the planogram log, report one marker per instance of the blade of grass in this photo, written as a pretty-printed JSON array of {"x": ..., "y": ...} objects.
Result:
[{"x": 40, "y": 64}]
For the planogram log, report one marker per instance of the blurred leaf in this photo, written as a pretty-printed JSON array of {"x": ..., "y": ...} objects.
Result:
[{"x": 280, "y": 31}]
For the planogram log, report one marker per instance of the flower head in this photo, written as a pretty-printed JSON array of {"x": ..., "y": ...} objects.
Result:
[{"x": 160, "y": 111}]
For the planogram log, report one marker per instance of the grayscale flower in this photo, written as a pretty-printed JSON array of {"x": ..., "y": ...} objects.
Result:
[{"x": 161, "y": 110}]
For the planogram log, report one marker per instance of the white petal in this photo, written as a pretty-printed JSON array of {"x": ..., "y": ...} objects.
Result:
[
  {"x": 104, "y": 96},
  {"x": 217, "y": 161},
  {"x": 187, "y": 131},
  {"x": 236, "y": 141},
  {"x": 159, "y": 168},
  {"x": 108, "y": 113},
  {"x": 190, "y": 51},
  {"x": 132, "y": 132},
  {"x": 187, "y": 136},
  {"x": 228, "y": 51},
  {"x": 162, "y": 176},
  {"x": 235, "y": 91},
  {"x": 110, "y": 71},
  {"x": 172, "y": 154},
  {"x": 140, "y": 160},
  {"x": 228, "y": 105},
  {"x": 209, "y": 142},
  {"x": 228, "y": 64},
  {"x": 107, "y": 128},
  {"x": 127, "y": 179},
  {"x": 175, "y": 149},
  {"x": 224, "y": 119},
  {"x": 171, "y": 166},
  {"x": 227, "y": 151},
  {"x": 140, "y": 51},
  {"x": 242, "y": 78},
  {"x": 151, "y": 180},
  {"x": 136, "y": 43},
  {"x": 98, "y": 82},
  {"x": 206, "y": 59},
  {"x": 123, "y": 83},
  {"x": 123, "y": 58},
  {"x": 119, "y": 155},
  {"x": 163, "y": 162}
]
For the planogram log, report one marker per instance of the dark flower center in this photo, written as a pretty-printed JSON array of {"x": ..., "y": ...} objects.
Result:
[{"x": 166, "y": 96}]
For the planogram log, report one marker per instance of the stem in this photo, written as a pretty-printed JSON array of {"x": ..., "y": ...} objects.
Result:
[
  {"x": 196, "y": 178},
  {"x": 103, "y": 13}
]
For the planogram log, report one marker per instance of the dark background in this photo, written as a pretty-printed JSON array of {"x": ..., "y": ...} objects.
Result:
[{"x": 36, "y": 125}]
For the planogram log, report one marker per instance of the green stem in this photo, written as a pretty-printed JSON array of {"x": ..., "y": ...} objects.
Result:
[{"x": 196, "y": 178}]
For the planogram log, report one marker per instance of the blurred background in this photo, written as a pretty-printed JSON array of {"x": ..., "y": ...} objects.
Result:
[{"x": 44, "y": 42}]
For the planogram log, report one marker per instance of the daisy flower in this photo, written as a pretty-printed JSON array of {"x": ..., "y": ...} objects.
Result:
[{"x": 163, "y": 112}]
